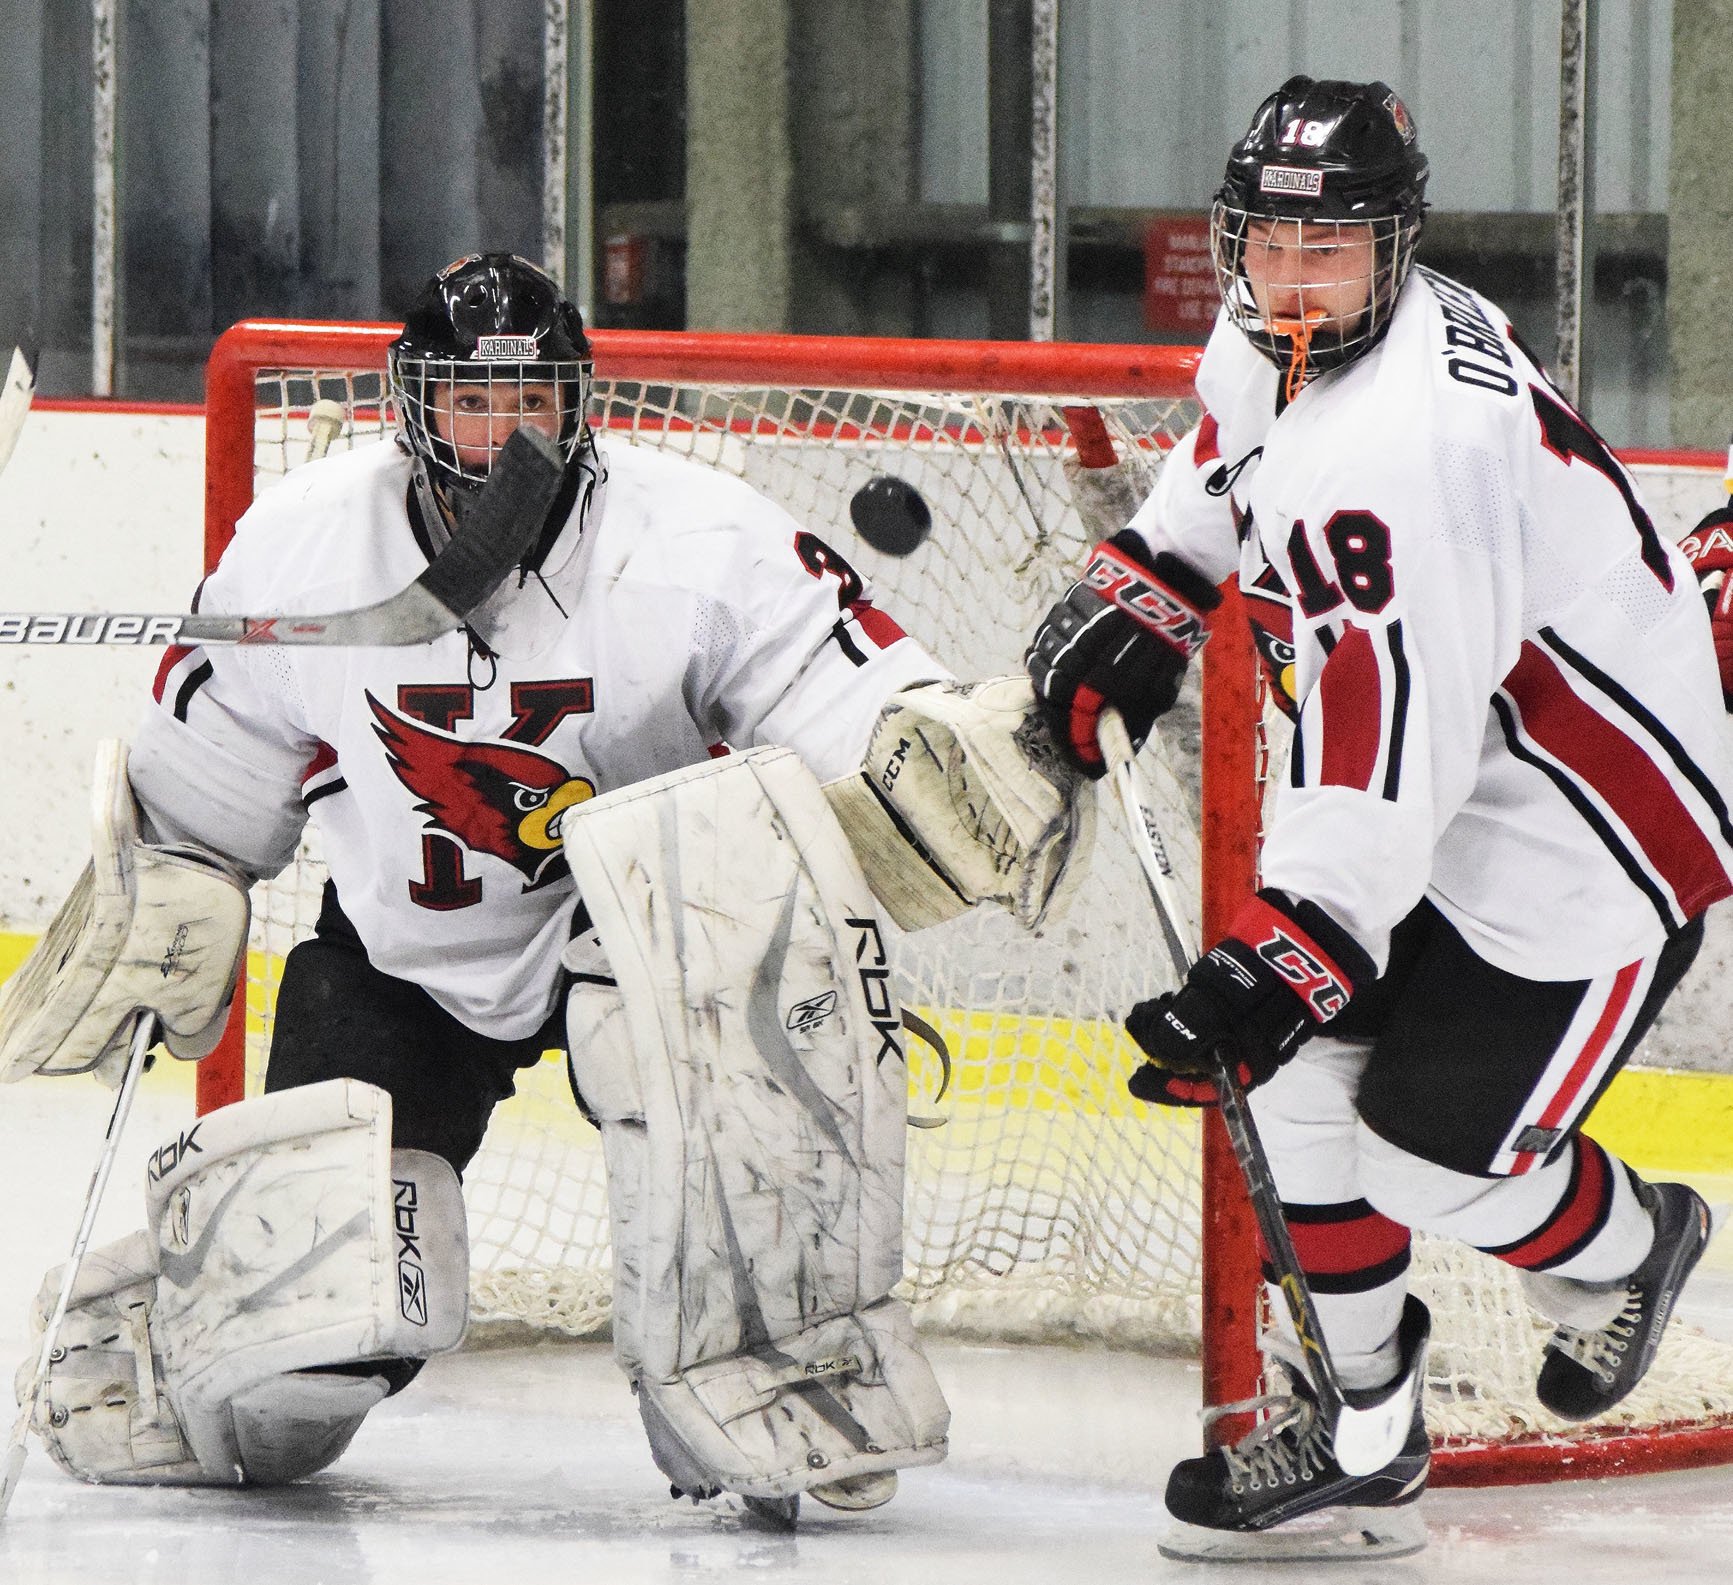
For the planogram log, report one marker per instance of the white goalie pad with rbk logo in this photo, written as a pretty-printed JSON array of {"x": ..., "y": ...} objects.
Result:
[
  {"x": 285, "y": 1237},
  {"x": 748, "y": 1075}
]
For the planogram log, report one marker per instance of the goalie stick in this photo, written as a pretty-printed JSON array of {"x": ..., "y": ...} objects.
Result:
[
  {"x": 15, "y": 398},
  {"x": 144, "y": 1032},
  {"x": 492, "y": 538},
  {"x": 1364, "y": 1439}
]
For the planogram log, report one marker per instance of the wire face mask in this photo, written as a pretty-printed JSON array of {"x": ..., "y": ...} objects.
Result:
[
  {"x": 463, "y": 412},
  {"x": 1310, "y": 294}
]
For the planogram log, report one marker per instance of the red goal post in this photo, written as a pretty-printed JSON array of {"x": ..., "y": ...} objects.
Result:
[{"x": 1233, "y": 753}]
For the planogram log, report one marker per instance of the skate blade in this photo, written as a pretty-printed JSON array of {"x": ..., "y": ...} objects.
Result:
[
  {"x": 1331, "y": 1535},
  {"x": 857, "y": 1493}
]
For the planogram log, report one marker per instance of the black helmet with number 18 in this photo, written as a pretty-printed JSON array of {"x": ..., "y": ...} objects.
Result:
[
  {"x": 1327, "y": 170},
  {"x": 491, "y": 337}
]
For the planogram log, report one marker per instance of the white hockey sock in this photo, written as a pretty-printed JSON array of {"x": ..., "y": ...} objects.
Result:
[{"x": 1359, "y": 1330}]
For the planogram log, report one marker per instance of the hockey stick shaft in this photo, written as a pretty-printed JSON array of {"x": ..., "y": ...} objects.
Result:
[
  {"x": 494, "y": 536},
  {"x": 1242, "y": 1132},
  {"x": 16, "y": 395},
  {"x": 143, "y": 1034}
]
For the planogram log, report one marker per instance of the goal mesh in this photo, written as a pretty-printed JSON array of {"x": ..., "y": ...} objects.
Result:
[{"x": 1041, "y": 1201}]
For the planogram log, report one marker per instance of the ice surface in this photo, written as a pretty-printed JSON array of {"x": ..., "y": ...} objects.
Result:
[{"x": 527, "y": 1465}]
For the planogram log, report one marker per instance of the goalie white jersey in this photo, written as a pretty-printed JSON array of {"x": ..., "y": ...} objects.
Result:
[
  {"x": 1502, "y": 677},
  {"x": 689, "y": 613}
]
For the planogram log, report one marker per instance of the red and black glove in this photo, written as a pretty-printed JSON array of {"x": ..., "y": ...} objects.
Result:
[
  {"x": 1122, "y": 636},
  {"x": 1285, "y": 970},
  {"x": 1709, "y": 549}
]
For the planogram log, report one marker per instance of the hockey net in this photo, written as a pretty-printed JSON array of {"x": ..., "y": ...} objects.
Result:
[{"x": 1046, "y": 1204}]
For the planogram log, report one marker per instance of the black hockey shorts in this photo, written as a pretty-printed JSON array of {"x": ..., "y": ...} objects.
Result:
[
  {"x": 1482, "y": 1071},
  {"x": 338, "y": 1017}
]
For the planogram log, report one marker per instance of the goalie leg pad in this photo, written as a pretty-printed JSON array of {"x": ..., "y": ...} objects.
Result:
[
  {"x": 748, "y": 1078},
  {"x": 103, "y": 1414},
  {"x": 962, "y": 798},
  {"x": 285, "y": 1236},
  {"x": 145, "y": 927}
]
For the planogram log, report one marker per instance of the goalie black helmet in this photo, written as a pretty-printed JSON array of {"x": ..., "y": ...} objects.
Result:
[
  {"x": 1314, "y": 225},
  {"x": 490, "y": 343}
]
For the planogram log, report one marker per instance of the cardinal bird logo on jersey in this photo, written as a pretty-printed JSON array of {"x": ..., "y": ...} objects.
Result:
[
  {"x": 493, "y": 797},
  {"x": 1271, "y": 619}
]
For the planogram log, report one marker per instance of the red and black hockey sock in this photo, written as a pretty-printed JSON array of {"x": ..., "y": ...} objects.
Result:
[{"x": 1356, "y": 1264}]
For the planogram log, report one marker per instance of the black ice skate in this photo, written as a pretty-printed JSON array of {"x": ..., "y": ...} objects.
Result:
[
  {"x": 1586, "y": 1373},
  {"x": 1284, "y": 1467}
]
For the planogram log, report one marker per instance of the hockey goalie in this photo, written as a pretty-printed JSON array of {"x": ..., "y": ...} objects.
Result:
[{"x": 656, "y": 804}]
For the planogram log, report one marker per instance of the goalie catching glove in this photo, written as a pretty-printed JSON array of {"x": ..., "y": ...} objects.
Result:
[
  {"x": 1284, "y": 970},
  {"x": 1122, "y": 636},
  {"x": 962, "y": 797},
  {"x": 1709, "y": 549}
]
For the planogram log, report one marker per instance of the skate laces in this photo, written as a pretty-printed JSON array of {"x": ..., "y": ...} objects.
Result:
[
  {"x": 1602, "y": 1350},
  {"x": 1289, "y": 1446}
]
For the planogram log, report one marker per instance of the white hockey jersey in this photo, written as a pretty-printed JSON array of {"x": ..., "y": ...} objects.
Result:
[
  {"x": 1502, "y": 677},
  {"x": 689, "y": 613}
]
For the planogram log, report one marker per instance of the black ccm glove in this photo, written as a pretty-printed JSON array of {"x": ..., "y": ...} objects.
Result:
[
  {"x": 1122, "y": 636},
  {"x": 1284, "y": 971}
]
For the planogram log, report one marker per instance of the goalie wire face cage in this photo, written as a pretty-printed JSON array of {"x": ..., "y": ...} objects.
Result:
[{"x": 1049, "y": 1205}]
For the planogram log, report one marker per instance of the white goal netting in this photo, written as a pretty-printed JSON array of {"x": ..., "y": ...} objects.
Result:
[{"x": 1047, "y": 1204}]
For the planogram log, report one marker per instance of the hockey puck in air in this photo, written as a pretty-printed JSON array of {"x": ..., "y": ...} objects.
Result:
[{"x": 889, "y": 514}]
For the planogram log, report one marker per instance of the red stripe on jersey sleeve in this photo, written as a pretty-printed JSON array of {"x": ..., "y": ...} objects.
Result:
[
  {"x": 324, "y": 757},
  {"x": 171, "y": 657},
  {"x": 1208, "y": 448},
  {"x": 879, "y": 626},
  {"x": 1352, "y": 707},
  {"x": 1627, "y": 779}
]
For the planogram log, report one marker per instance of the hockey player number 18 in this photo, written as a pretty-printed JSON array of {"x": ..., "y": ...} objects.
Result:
[{"x": 1360, "y": 546}]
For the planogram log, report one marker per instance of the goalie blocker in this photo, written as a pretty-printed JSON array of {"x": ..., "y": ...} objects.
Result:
[
  {"x": 146, "y": 928},
  {"x": 745, "y": 1068}
]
